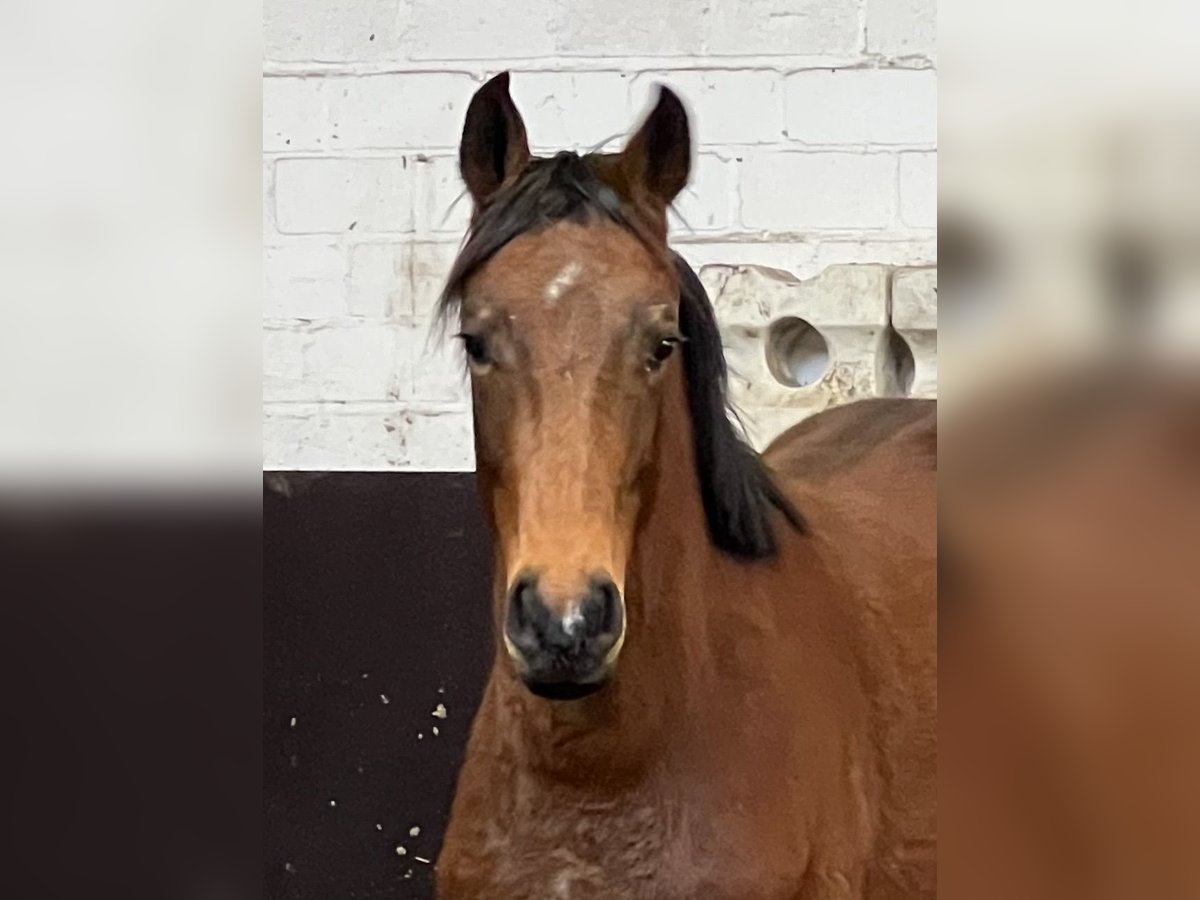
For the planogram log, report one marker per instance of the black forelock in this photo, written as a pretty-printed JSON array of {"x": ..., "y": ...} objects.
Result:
[{"x": 564, "y": 187}]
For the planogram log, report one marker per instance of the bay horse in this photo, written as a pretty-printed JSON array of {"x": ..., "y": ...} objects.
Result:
[{"x": 715, "y": 672}]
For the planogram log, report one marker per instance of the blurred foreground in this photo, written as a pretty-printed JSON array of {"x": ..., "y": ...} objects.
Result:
[
  {"x": 1069, "y": 653},
  {"x": 1070, "y": 453}
]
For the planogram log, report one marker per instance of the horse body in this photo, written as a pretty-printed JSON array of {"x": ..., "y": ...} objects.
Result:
[
  {"x": 784, "y": 748},
  {"x": 714, "y": 671}
]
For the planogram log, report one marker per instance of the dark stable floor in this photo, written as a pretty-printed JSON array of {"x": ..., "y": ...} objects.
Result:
[{"x": 376, "y": 621}]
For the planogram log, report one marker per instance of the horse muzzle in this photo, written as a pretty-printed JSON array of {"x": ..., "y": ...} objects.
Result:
[{"x": 567, "y": 654}]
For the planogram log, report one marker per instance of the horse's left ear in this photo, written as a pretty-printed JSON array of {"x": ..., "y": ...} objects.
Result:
[
  {"x": 658, "y": 157},
  {"x": 494, "y": 147}
]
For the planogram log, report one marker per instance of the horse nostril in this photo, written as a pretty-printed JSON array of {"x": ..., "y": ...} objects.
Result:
[
  {"x": 522, "y": 597},
  {"x": 605, "y": 614}
]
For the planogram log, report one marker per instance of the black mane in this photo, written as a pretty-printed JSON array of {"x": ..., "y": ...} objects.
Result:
[{"x": 735, "y": 485}]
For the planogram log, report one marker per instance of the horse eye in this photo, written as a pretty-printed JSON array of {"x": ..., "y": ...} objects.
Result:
[
  {"x": 475, "y": 347},
  {"x": 662, "y": 351}
]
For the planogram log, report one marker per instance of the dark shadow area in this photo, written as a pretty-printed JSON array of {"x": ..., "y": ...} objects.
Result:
[{"x": 376, "y": 622}]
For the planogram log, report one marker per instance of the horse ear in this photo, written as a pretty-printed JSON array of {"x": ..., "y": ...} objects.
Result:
[
  {"x": 494, "y": 147},
  {"x": 658, "y": 157}
]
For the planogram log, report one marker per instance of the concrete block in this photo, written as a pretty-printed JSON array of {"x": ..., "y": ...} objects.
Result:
[
  {"x": 914, "y": 317},
  {"x": 797, "y": 347}
]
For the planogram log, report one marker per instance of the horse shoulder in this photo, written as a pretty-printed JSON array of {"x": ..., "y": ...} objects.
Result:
[{"x": 864, "y": 477}]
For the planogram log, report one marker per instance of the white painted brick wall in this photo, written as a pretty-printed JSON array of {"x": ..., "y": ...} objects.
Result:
[
  {"x": 796, "y": 192},
  {"x": 869, "y": 106},
  {"x": 918, "y": 189},
  {"x": 333, "y": 195},
  {"x": 902, "y": 28},
  {"x": 816, "y": 147}
]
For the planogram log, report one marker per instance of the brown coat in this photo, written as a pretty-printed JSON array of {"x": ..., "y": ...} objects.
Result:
[{"x": 775, "y": 741}]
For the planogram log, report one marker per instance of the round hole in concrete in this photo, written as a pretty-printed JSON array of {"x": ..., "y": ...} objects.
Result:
[
  {"x": 797, "y": 353},
  {"x": 900, "y": 362}
]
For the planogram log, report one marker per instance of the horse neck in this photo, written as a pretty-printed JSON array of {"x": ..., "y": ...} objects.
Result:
[{"x": 625, "y": 728}]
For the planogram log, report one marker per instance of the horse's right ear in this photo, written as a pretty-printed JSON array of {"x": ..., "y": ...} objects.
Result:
[
  {"x": 658, "y": 157},
  {"x": 494, "y": 146}
]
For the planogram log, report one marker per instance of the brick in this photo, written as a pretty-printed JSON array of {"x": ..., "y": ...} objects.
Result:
[
  {"x": 431, "y": 264},
  {"x": 330, "y": 30},
  {"x": 370, "y": 436},
  {"x": 724, "y": 107},
  {"x": 366, "y": 112},
  {"x": 707, "y": 27},
  {"x": 337, "y": 360},
  {"x": 902, "y": 27},
  {"x": 332, "y": 436},
  {"x": 282, "y": 362},
  {"x": 789, "y": 256},
  {"x": 707, "y": 203},
  {"x": 304, "y": 280},
  {"x": 457, "y": 30},
  {"x": 862, "y": 106},
  {"x": 268, "y": 200},
  {"x": 443, "y": 206},
  {"x": 441, "y": 441},
  {"x": 420, "y": 111},
  {"x": 782, "y": 27},
  {"x": 296, "y": 114},
  {"x": 801, "y": 191},
  {"x": 439, "y": 369},
  {"x": 598, "y": 27},
  {"x": 883, "y": 249},
  {"x": 328, "y": 196},
  {"x": 565, "y": 111},
  {"x": 380, "y": 284},
  {"x": 918, "y": 189}
]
